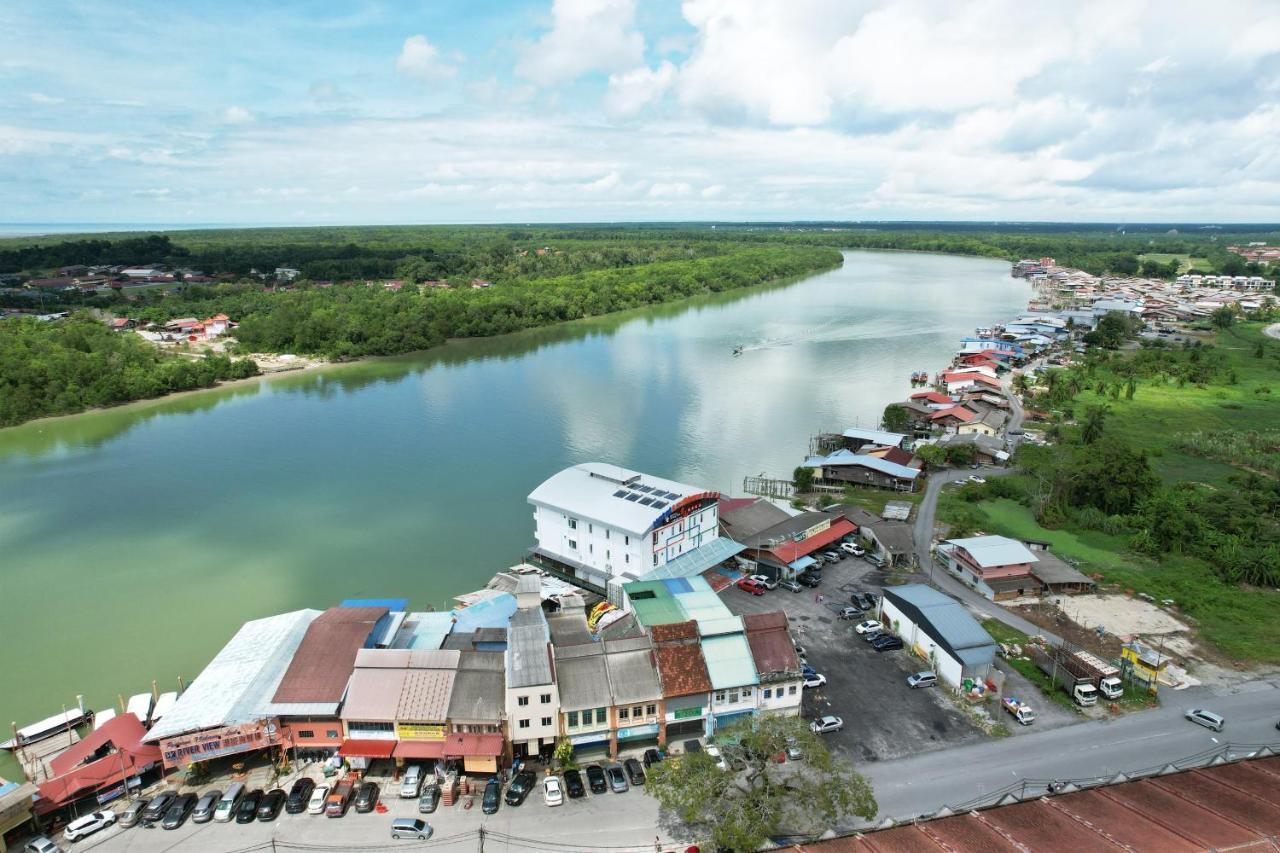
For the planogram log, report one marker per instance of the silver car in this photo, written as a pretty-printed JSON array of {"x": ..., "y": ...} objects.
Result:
[{"x": 1208, "y": 719}]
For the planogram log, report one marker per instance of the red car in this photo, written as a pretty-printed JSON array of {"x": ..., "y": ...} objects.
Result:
[{"x": 753, "y": 587}]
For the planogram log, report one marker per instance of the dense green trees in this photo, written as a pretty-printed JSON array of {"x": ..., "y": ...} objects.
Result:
[{"x": 67, "y": 366}]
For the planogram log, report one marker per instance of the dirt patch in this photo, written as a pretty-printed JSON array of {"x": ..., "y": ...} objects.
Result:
[{"x": 1119, "y": 615}]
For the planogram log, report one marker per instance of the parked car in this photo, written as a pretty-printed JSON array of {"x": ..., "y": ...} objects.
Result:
[
  {"x": 810, "y": 579},
  {"x": 922, "y": 679},
  {"x": 41, "y": 844},
  {"x": 366, "y": 797},
  {"x": 411, "y": 784},
  {"x": 270, "y": 805},
  {"x": 790, "y": 585},
  {"x": 617, "y": 779},
  {"x": 520, "y": 787},
  {"x": 794, "y": 753},
  {"x": 158, "y": 806},
  {"x": 88, "y": 825},
  {"x": 652, "y": 757},
  {"x": 410, "y": 827},
  {"x": 595, "y": 778},
  {"x": 872, "y": 636},
  {"x": 868, "y": 626},
  {"x": 822, "y": 725},
  {"x": 863, "y": 601},
  {"x": 339, "y": 798},
  {"x": 206, "y": 806},
  {"x": 806, "y": 669},
  {"x": 1208, "y": 719},
  {"x": 875, "y": 560},
  {"x": 765, "y": 581},
  {"x": 552, "y": 791},
  {"x": 429, "y": 798},
  {"x": 178, "y": 812},
  {"x": 131, "y": 815},
  {"x": 751, "y": 586},
  {"x": 635, "y": 773},
  {"x": 886, "y": 643},
  {"x": 853, "y": 549},
  {"x": 226, "y": 809},
  {"x": 300, "y": 795},
  {"x": 247, "y": 811},
  {"x": 851, "y": 613},
  {"x": 717, "y": 756},
  {"x": 974, "y": 478},
  {"x": 316, "y": 804},
  {"x": 832, "y": 557},
  {"x": 492, "y": 796},
  {"x": 573, "y": 784},
  {"x": 815, "y": 680},
  {"x": 692, "y": 746}
]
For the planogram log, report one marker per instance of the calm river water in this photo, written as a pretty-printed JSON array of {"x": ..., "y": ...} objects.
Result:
[{"x": 135, "y": 541}]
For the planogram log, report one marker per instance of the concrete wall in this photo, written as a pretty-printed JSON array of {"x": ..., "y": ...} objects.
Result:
[
  {"x": 533, "y": 712},
  {"x": 947, "y": 667},
  {"x": 613, "y": 551}
]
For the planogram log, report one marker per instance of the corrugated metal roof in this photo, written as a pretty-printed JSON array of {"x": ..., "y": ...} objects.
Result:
[
  {"x": 527, "y": 659},
  {"x": 493, "y": 612},
  {"x": 633, "y": 676},
  {"x": 875, "y": 463},
  {"x": 878, "y": 436},
  {"x": 587, "y": 491},
  {"x": 729, "y": 661},
  {"x": 425, "y": 695},
  {"x": 697, "y": 561},
  {"x": 478, "y": 694},
  {"x": 989, "y": 551},
  {"x": 323, "y": 662},
  {"x": 374, "y": 694},
  {"x": 240, "y": 679},
  {"x": 772, "y": 649},
  {"x": 950, "y": 620},
  {"x": 583, "y": 678}
]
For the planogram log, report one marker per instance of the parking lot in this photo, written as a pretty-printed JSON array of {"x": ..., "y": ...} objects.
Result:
[{"x": 883, "y": 718}]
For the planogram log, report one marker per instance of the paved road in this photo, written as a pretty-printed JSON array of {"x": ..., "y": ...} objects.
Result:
[
  {"x": 1272, "y": 331},
  {"x": 923, "y": 784}
]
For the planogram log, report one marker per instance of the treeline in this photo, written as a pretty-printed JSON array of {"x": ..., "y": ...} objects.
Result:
[
  {"x": 78, "y": 363},
  {"x": 348, "y": 322},
  {"x": 15, "y": 257}
]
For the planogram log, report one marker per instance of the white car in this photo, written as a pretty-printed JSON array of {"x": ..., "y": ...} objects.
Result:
[
  {"x": 552, "y": 791},
  {"x": 869, "y": 625},
  {"x": 89, "y": 824},
  {"x": 316, "y": 804},
  {"x": 855, "y": 550},
  {"x": 826, "y": 724},
  {"x": 765, "y": 581},
  {"x": 718, "y": 757},
  {"x": 815, "y": 680},
  {"x": 974, "y": 478}
]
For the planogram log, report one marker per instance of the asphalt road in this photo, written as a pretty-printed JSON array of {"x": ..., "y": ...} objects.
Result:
[{"x": 963, "y": 776}]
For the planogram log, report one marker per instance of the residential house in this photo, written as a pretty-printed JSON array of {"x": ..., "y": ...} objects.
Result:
[
  {"x": 892, "y": 540},
  {"x": 857, "y": 437},
  {"x": 532, "y": 695},
  {"x": 686, "y": 686},
  {"x": 477, "y": 733},
  {"x": 774, "y": 654},
  {"x": 989, "y": 422},
  {"x": 397, "y": 705},
  {"x": 864, "y": 469},
  {"x": 996, "y": 566},
  {"x": 585, "y": 698},
  {"x": 636, "y": 693}
]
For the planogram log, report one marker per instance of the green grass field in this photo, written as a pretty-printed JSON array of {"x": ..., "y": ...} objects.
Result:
[{"x": 1186, "y": 263}]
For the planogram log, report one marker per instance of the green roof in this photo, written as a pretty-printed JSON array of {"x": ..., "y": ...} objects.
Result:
[
  {"x": 729, "y": 661},
  {"x": 662, "y": 602}
]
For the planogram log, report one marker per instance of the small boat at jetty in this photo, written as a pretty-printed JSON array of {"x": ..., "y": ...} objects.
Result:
[
  {"x": 48, "y": 727},
  {"x": 140, "y": 706},
  {"x": 163, "y": 705},
  {"x": 101, "y": 718}
]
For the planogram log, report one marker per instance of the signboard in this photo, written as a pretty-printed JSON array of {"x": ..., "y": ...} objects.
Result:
[
  {"x": 420, "y": 731},
  {"x": 594, "y": 737},
  {"x": 110, "y": 794},
  {"x": 638, "y": 731},
  {"x": 688, "y": 713},
  {"x": 213, "y": 743},
  {"x": 816, "y": 529}
]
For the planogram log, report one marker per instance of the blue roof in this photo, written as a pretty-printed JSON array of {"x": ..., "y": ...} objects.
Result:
[
  {"x": 875, "y": 463},
  {"x": 952, "y": 624},
  {"x": 879, "y": 436},
  {"x": 395, "y": 605},
  {"x": 493, "y": 612},
  {"x": 729, "y": 661},
  {"x": 803, "y": 563},
  {"x": 430, "y": 630},
  {"x": 697, "y": 561}
]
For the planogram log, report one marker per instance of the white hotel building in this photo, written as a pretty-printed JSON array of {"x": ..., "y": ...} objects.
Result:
[{"x": 601, "y": 523}]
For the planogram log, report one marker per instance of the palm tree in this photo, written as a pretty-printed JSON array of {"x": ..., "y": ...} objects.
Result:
[{"x": 1095, "y": 421}]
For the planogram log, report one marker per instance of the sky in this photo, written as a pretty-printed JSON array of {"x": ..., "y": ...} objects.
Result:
[{"x": 608, "y": 110}]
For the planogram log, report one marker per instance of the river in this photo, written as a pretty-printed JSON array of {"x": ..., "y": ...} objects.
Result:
[{"x": 135, "y": 541}]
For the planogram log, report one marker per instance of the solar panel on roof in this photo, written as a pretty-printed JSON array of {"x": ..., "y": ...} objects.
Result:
[
  {"x": 646, "y": 502},
  {"x": 659, "y": 505},
  {"x": 633, "y": 497},
  {"x": 672, "y": 496},
  {"x": 621, "y": 493},
  {"x": 645, "y": 489}
]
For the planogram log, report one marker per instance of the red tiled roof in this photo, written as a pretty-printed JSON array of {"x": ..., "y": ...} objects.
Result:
[
  {"x": 789, "y": 551},
  {"x": 958, "y": 412},
  {"x": 931, "y": 396},
  {"x": 771, "y": 645},
  {"x": 899, "y": 456},
  {"x": 674, "y": 631},
  {"x": 681, "y": 669},
  {"x": 463, "y": 745},
  {"x": 73, "y": 778},
  {"x": 322, "y": 664},
  {"x": 367, "y": 748}
]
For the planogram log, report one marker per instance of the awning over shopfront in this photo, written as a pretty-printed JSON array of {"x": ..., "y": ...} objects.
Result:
[
  {"x": 803, "y": 563},
  {"x": 592, "y": 737},
  {"x": 419, "y": 749},
  {"x": 367, "y": 748},
  {"x": 467, "y": 745},
  {"x": 637, "y": 732}
]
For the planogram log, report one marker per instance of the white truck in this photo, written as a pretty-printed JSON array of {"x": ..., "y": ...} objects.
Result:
[
  {"x": 1105, "y": 676},
  {"x": 1058, "y": 666},
  {"x": 1021, "y": 711}
]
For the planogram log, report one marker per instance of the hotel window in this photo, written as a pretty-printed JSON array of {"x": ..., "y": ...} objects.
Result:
[
  {"x": 626, "y": 558},
  {"x": 622, "y": 713},
  {"x": 573, "y": 545},
  {"x": 602, "y": 715},
  {"x": 733, "y": 696},
  {"x": 522, "y": 701},
  {"x": 746, "y": 693},
  {"x": 635, "y": 712},
  {"x": 626, "y": 540},
  {"x": 573, "y": 524},
  {"x": 650, "y": 710},
  {"x": 546, "y": 721},
  {"x": 606, "y": 533},
  {"x": 791, "y": 691},
  {"x": 608, "y": 555},
  {"x": 719, "y": 695},
  {"x": 545, "y": 698},
  {"x": 573, "y": 719},
  {"x": 591, "y": 549},
  {"x": 591, "y": 528},
  {"x": 524, "y": 724},
  {"x": 306, "y": 733},
  {"x": 768, "y": 693},
  {"x": 655, "y": 559}
]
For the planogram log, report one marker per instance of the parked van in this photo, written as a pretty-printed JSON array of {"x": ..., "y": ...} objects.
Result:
[
  {"x": 226, "y": 809},
  {"x": 339, "y": 799},
  {"x": 412, "y": 782}
]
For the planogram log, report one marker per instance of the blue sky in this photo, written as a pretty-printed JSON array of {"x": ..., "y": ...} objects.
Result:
[{"x": 590, "y": 110}]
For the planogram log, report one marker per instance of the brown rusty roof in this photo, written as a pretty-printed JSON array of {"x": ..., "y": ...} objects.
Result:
[
  {"x": 323, "y": 662},
  {"x": 771, "y": 645},
  {"x": 674, "y": 631},
  {"x": 1216, "y": 807},
  {"x": 681, "y": 669}
]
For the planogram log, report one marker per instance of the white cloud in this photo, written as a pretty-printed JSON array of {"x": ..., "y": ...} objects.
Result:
[
  {"x": 631, "y": 92},
  {"x": 677, "y": 189},
  {"x": 237, "y": 115},
  {"x": 421, "y": 60},
  {"x": 585, "y": 36},
  {"x": 41, "y": 98},
  {"x": 713, "y": 191}
]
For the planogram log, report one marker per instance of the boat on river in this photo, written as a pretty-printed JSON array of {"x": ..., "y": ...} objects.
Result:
[
  {"x": 163, "y": 706},
  {"x": 48, "y": 727},
  {"x": 140, "y": 706}
]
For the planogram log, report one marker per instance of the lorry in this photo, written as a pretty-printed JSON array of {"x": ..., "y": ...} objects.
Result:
[
  {"x": 1105, "y": 676},
  {"x": 1020, "y": 710},
  {"x": 1054, "y": 663}
]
